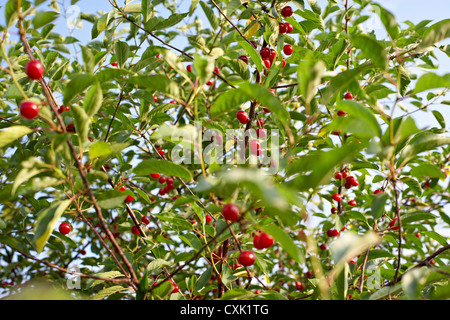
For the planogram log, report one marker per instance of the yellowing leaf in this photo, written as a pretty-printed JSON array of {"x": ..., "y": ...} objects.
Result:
[{"x": 253, "y": 29}]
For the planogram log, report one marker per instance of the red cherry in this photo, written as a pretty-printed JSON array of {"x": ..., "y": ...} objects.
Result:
[
  {"x": 135, "y": 230},
  {"x": 337, "y": 197},
  {"x": 345, "y": 174},
  {"x": 266, "y": 110},
  {"x": 145, "y": 220},
  {"x": 289, "y": 27},
  {"x": 283, "y": 63},
  {"x": 287, "y": 49},
  {"x": 64, "y": 228},
  {"x": 323, "y": 246},
  {"x": 273, "y": 54},
  {"x": 189, "y": 68},
  {"x": 29, "y": 110},
  {"x": 114, "y": 64},
  {"x": 82, "y": 251},
  {"x": 341, "y": 113},
  {"x": 334, "y": 210},
  {"x": 282, "y": 27},
  {"x": 71, "y": 128},
  {"x": 338, "y": 175},
  {"x": 175, "y": 288},
  {"x": 247, "y": 258},
  {"x": 230, "y": 212},
  {"x": 352, "y": 203},
  {"x": 129, "y": 199},
  {"x": 208, "y": 218},
  {"x": 216, "y": 70},
  {"x": 261, "y": 133},
  {"x": 377, "y": 191},
  {"x": 256, "y": 241},
  {"x": 348, "y": 96},
  {"x": 162, "y": 179},
  {"x": 286, "y": 11},
  {"x": 265, "y": 53},
  {"x": 243, "y": 58},
  {"x": 267, "y": 63},
  {"x": 122, "y": 188},
  {"x": 254, "y": 44},
  {"x": 242, "y": 116},
  {"x": 210, "y": 82},
  {"x": 255, "y": 147},
  {"x": 392, "y": 223},
  {"x": 308, "y": 274},
  {"x": 348, "y": 184},
  {"x": 155, "y": 98},
  {"x": 417, "y": 235},
  {"x": 34, "y": 69},
  {"x": 265, "y": 240},
  {"x": 154, "y": 175}
]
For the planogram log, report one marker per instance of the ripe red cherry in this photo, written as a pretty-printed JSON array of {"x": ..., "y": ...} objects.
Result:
[
  {"x": 286, "y": 11},
  {"x": 348, "y": 96},
  {"x": 34, "y": 69},
  {"x": 273, "y": 54},
  {"x": 287, "y": 49},
  {"x": 247, "y": 258},
  {"x": 378, "y": 191},
  {"x": 323, "y": 246},
  {"x": 289, "y": 27},
  {"x": 265, "y": 53},
  {"x": 210, "y": 82},
  {"x": 392, "y": 223},
  {"x": 282, "y": 27},
  {"x": 261, "y": 133},
  {"x": 334, "y": 210},
  {"x": 230, "y": 212},
  {"x": 82, "y": 251},
  {"x": 243, "y": 58},
  {"x": 337, "y": 197},
  {"x": 189, "y": 68},
  {"x": 145, "y": 220},
  {"x": 134, "y": 230},
  {"x": 308, "y": 274},
  {"x": 208, "y": 218},
  {"x": 114, "y": 64},
  {"x": 64, "y": 228},
  {"x": 255, "y": 147},
  {"x": 242, "y": 116},
  {"x": 352, "y": 203},
  {"x": 341, "y": 113},
  {"x": 162, "y": 179},
  {"x": 338, "y": 175},
  {"x": 129, "y": 199},
  {"x": 29, "y": 110},
  {"x": 264, "y": 241},
  {"x": 122, "y": 188},
  {"x": 155, "y": 98},
  {"x": 175, "y": 288},
  {"x": 154, "y": 175},
  {"x": 216, "y": 70},
  {"x": 71, "y": 128},
  {"x": 256, "y": 241},
  {"x": 267, "y": 63},
  {"x": 283, "y": 63},
  {"x": 345, "y": 174}
]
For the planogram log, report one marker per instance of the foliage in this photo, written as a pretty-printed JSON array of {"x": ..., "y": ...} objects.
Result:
[{"x": 122, "y": 107}]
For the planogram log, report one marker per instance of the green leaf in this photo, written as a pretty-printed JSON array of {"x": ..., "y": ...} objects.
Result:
[
  {"x": 160, "y": 23},
  {"x": 342, "y": 282},
  {"x": 143, "y": 287},
  {"x": 427, "y": 170},
  {"x": 309, "y": 76},
  {"x": 315, "y": 6},
  {"x": 417, "y": 216},
  {"x": 285, "y": 241},
  {"x": 254, "y": 55},
  {"x": 436, "y": 236},
  {"x": 413, "y": 184},
  {"x": 378, "y": 205},
  {"x": 147, "y": 8},
  {"x": 388, "y": 20},
  {"x": 44, "y": 17},
  {"x": 110, "y": 199},
  {"x": 246, "y": 92},
  {"x": 148, "y": 166},
  {"x": 403, "y": 80},
  {"x": 122, "y": 50},
  {"x": 93, "y": 100},
  {"x": 371, "y": 49},
  {"x": 13, "y": 133},
  {"x": 203, "y": 67},
  {"x": 422, "y": 142},
  {"x": 102, "y": 294},
  {"x": 163, "y": 290},
  {"x": 46, "y": 221},
  {"x": 78, "y": 83},
  {"x": 82, "y": 122},
  {"x": 439, "y": 117},
  {"x": 203, "y": 279},
  {"x": 88, "y": 59},
  {"x": 157, "y": 265},
  {"x": 100, "y": 149},
  {"x": 238, "y": 294},
  {"x": 158, "y": 83},
  {"x": 435, "y": 33},
  {"x": 213, "y": 20},
  {"x": 432, "y": 81}
]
